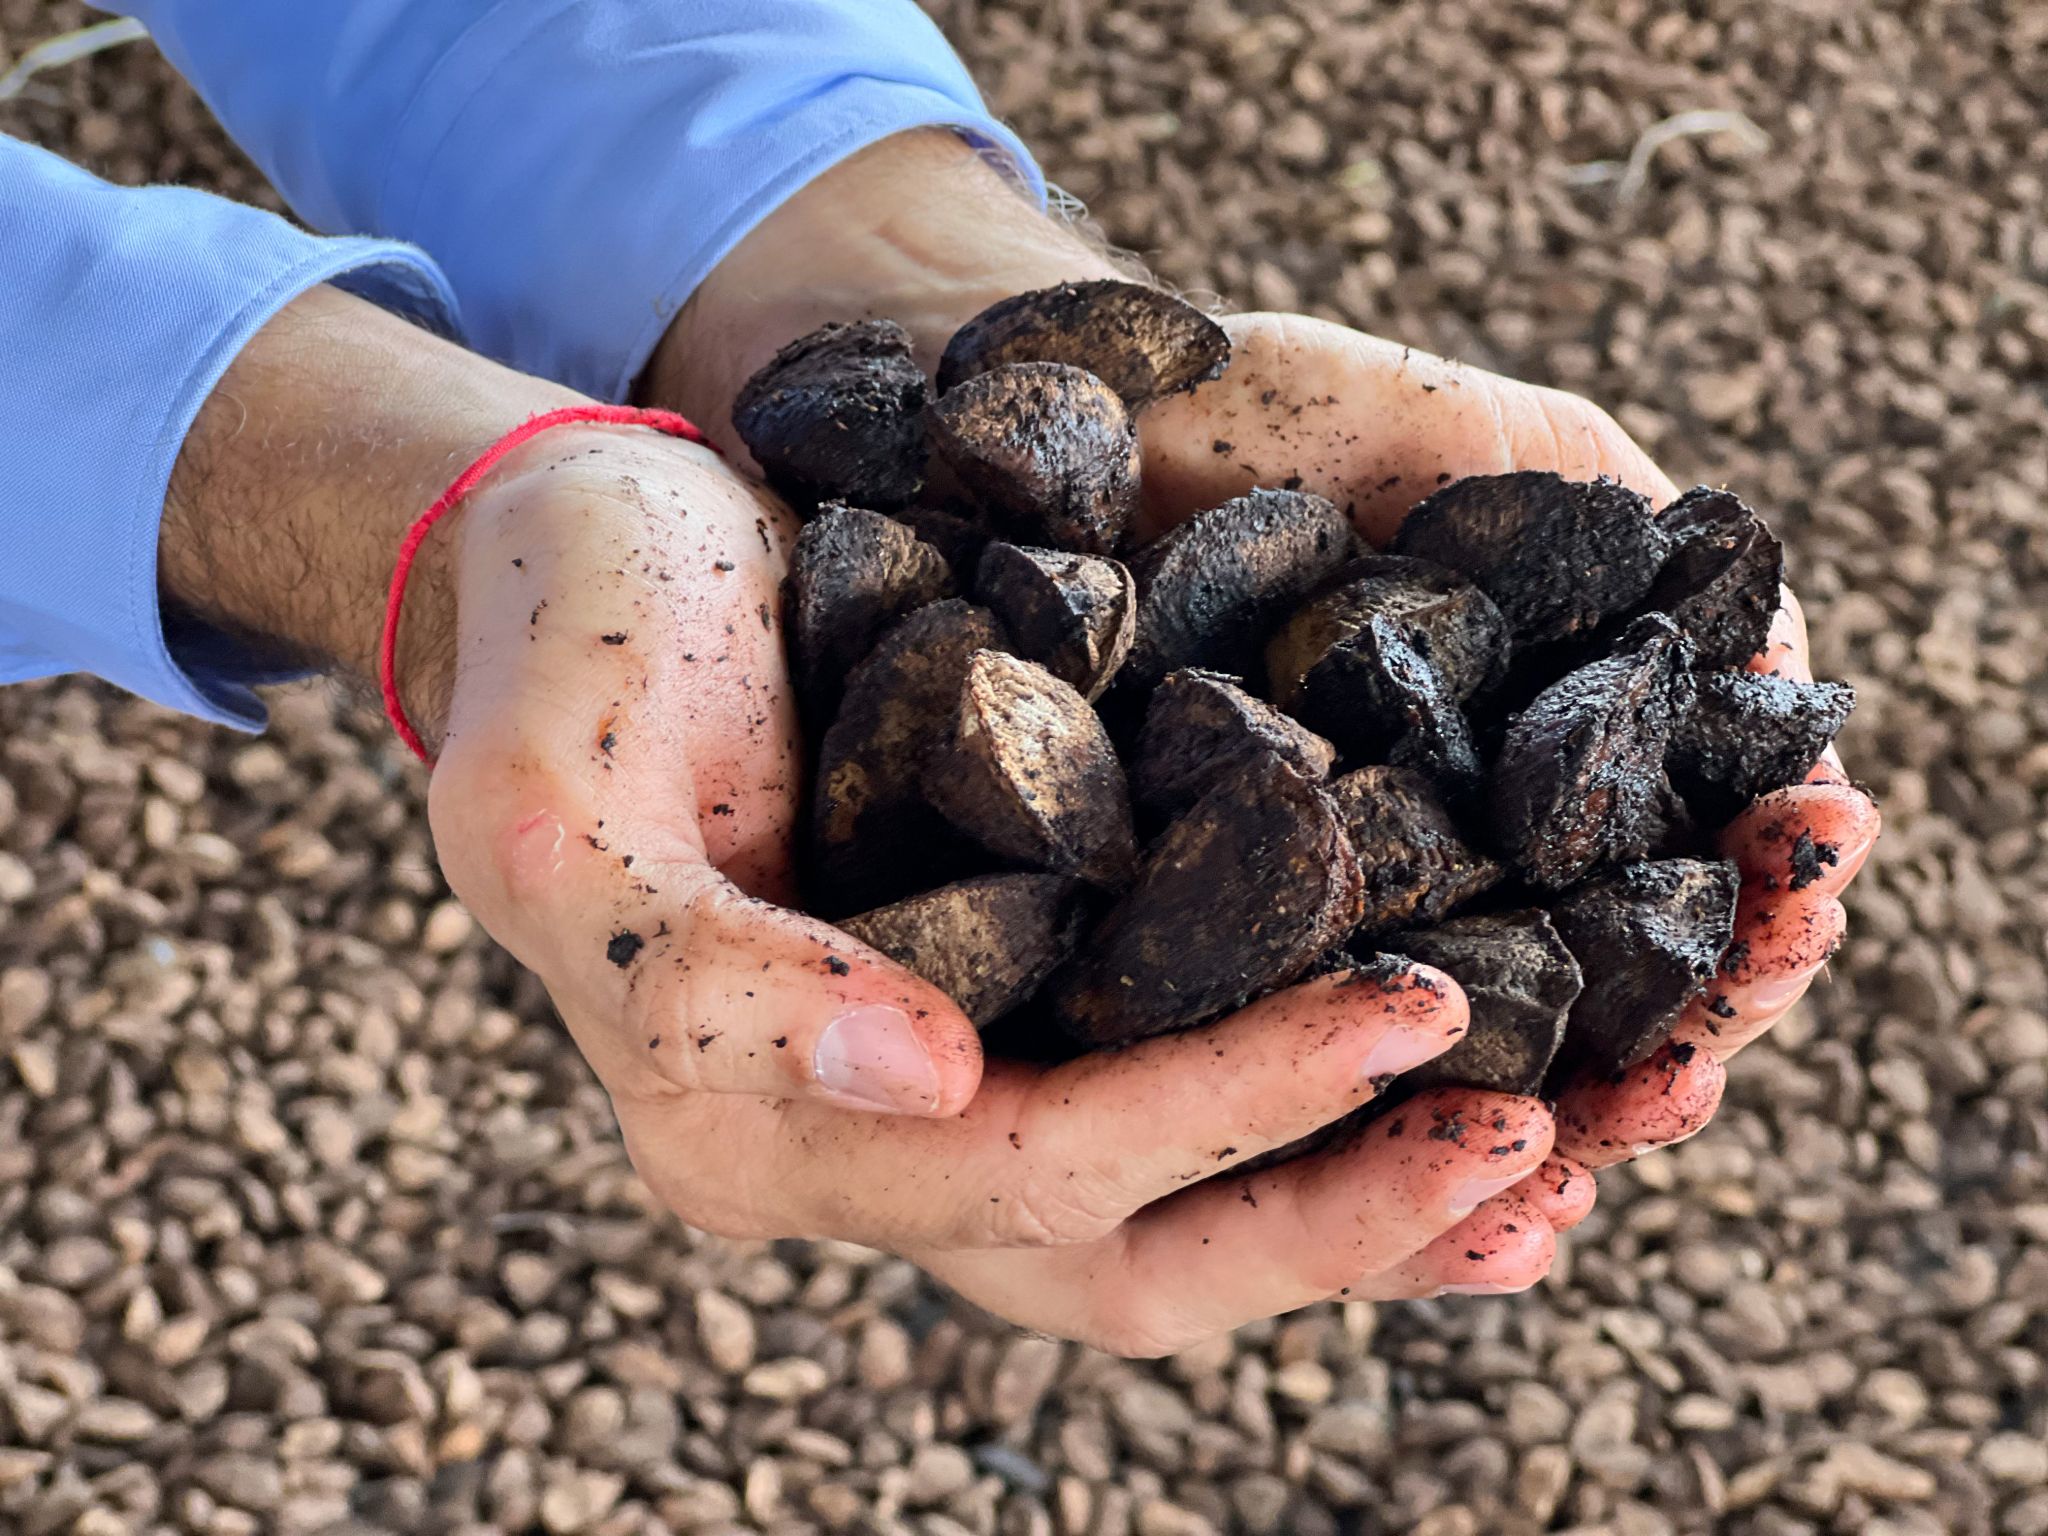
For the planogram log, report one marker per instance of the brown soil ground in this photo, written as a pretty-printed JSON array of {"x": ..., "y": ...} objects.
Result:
[{"x": 310, "y": 1218}]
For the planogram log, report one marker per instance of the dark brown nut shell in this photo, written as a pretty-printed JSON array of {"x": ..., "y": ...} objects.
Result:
[
  {"x": 1200, "y": 728},
  {"x": 1075, "y": 615},
  {"x": 955, "y": 532},
  {"x": 1451, "y": 622},
  {"x": 1416, "y": 864},
  {"x": 1211, "y": 589},
  {"x": 875, "y": 835},
  {"x": 1380, "y": 700},
  {"x": 1648, "y": 937},
  {"x": 838, "y": 415},
  {"x": 1030, "y": 774},
  {"x": 1142, "y": 342},
  {"x": 1520, "y": 981},
  {"x": 1724, "y": 577},
  {"x": 1749, "y": 733},
  {"x": 1557, "y": 556},
  {"x": 1237, "y": 898},
  {"x": 852, "y": 574},
  {"x": 1047, "y": 451},
  {"x": 1577, "y": 781},
  {"x": 988, "y": 943}
]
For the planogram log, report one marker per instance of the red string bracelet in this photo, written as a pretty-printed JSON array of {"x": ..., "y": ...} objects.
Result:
[{"x": 464, "y": 483}]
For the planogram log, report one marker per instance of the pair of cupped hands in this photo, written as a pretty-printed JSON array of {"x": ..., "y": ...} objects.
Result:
[{"x": 620, "y": 757}]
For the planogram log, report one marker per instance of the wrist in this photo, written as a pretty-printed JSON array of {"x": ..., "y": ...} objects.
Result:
[
  {"x": 330, "y": 432},
  {"x": 919, "y": 229}
]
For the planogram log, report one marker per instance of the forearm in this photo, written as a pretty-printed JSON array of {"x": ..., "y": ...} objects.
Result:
[
  {"x": 326, "y": 436},
  {"x": 919, "y": 229}
]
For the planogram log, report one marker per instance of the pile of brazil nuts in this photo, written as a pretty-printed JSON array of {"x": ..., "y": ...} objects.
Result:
[{"x": 1098, "y": 790}]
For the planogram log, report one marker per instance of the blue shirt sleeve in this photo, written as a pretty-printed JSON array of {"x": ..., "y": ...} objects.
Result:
[
  {"x": 577, "y": 167},
  {"x": 119, "y": 311}
]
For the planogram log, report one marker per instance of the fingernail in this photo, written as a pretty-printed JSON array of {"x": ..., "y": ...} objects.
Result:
[
  {"x": 872, "y": 1057},
  {"x": 1401, "y": 1049},
  {"x": 1771, "y": 996},
  {"x": 1473, "y": 1193},
  {"x": 1483, "y": 1288}
]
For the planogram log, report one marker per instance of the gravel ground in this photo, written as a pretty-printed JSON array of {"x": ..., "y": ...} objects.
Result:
[{"x": 310, "y": 1219}]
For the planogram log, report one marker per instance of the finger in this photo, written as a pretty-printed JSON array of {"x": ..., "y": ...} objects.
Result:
[
  {"x": 673, "y": 980},
  {"x": 1507, "y": 1245},
  {"x": 1829, "y": 769},
  {"x": 1782, "y": 940},
  {"x": 1808, "y": 837},
  {"x": 1369, "y": 423},
  {"x": 1233, "y": 1250},
  {"x": 1236, "y": 1249},
  {"x": 1045, "y": 1157},
  {"x": 1271, "y": 1074},
  {"x": 1663, "y": 1099},
  {"x": 1786, "y": 652},
  {"x": 1563, "y": 1190}
]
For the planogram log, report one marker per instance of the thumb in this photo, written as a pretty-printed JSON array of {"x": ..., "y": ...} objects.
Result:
[
  {"x": 672, "y": 979},
  {"x": 1371, "y": 424}
]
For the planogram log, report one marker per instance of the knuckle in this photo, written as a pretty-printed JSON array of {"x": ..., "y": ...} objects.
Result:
[
  {"x": 1138, "y": 1344},
  {"x": 1044, "y": 1210},
  {"x": 653, "y": 1011},
  {"x": 1134, "y": 1327},
  {"x": 1330, "y": 1267}
]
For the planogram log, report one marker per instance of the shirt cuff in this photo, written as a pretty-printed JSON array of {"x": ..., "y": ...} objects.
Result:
[{"x": 125, "y": 308}]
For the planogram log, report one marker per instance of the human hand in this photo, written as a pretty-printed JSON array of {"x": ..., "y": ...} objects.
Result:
[
  {"x": 592, "y": 641},
  {"x": 620, "y": 771}
]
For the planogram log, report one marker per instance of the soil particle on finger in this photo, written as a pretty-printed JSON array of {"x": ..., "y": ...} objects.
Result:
[{"x": 1810, "y": 859}]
